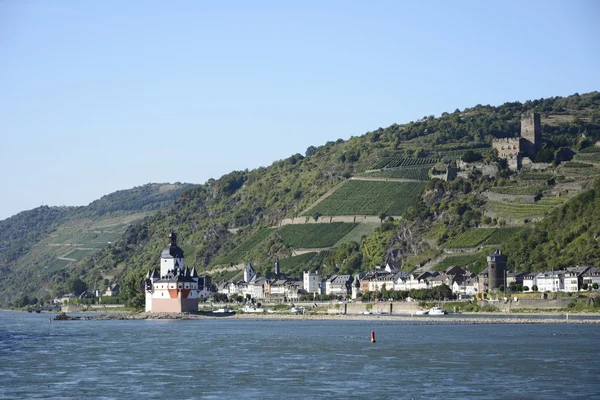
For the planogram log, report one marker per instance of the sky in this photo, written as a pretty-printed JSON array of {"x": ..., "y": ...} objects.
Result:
[{"x": 102, "y": 96}]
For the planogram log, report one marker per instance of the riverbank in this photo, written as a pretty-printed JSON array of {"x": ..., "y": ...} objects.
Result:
[{"x": 462, "y": 319}]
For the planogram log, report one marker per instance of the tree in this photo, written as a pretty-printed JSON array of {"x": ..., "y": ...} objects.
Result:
[
  {"x": 470, "y": 156},
  {"x": 316, "y": 216},
  {"x": 534, "y": 288},
  {"x": 595, "y": 285},
  {"x": 310, "y": 151},
  {"x": 131, "y": 290},
  {"x": 526, "y": 288},
  {"x": 77, "y": 286},
  {"x": 584, "y": 286},
  {"x": 382, "y": 216}
]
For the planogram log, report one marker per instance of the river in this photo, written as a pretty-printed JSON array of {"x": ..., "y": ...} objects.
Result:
[{"x": 293, "y": 359}]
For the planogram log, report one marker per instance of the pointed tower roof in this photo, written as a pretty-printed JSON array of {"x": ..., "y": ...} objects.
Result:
[
  {"x": 155, "y": 273},
  {"x": 171, "y": 250},
  {"x": 194, "y": 274},
  {"x": 187, "y": 271}
]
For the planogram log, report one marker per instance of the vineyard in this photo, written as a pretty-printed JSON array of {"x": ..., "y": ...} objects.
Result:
[
  {"x": 519, "y": 190},
  {"x": 79, "y": 254},
  {"x": 501, "y": 235},
  {"x": 418, "y": 172},
  {"x": 304, "y": 262},
  {"x": 398, "y": 161},
  {"x": 521, "y": 211},
  {"x": 370, "y": 198},
  {"x": 314, "y": 235},
  {"x": 236, "y": 255},
  {"x": 575, "y": 164},
  {"x": 591, "y": 149},
  {"x": 591, "y": 157},
  {"x": 475, "y": 237},
  {"x": 475, "y": 263},
  {"x": 535, "y": 176},
  {"x": 470, "y": 238}
]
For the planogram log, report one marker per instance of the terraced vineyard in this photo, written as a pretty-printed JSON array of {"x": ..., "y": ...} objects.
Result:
[
  {"x": 474, "y": 262},
  {"x": 594, "y": 157},
  {"x": 304, "y": 262},
  {"x": 79, "y": 254},
  {"x": 521, "y": 211},
  {"x": 535, "y": 176},
  {"x": 519, "y": 190},
  {"x": 501, "y": 235},
  {"x": 478, "y": 236},
  {"x": 399, "y": 161},
  {"x": 370, "y": 198},
  {"x": 236, "y": 255},
  {"x": 470, "y": 238},
  {"x": 413, "y": 172},
  {"x": 314, "y": 235}
]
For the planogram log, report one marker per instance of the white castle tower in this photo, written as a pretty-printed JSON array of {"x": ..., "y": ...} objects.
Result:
[{"x": 175, "y": 289}]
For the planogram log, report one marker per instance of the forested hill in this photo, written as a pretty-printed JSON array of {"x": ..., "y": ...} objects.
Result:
[
  {"x": 378, "y": 190},
  {"x": 149, "y": 197},
  {"x": 39, "y": 246},
  {"x": 568, "y": 236},
  {"x": 19, "y": 232}
]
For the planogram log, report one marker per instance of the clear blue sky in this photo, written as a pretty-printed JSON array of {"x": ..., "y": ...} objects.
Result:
[{"x": 107, "y": 95}]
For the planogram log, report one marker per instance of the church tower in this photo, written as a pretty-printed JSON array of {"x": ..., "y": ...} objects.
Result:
[{"x": 248, "y": 273}]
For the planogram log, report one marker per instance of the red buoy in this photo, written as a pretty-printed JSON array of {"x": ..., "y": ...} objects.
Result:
[{"x": 372, "y": 336}]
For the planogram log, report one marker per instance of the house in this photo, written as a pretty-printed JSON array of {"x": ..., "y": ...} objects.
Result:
[
  {"x": 256, "y": 287},
  {"x": 339, "y": 285},
  {"x": 112, "y": 290},
  {"x": 591, "y": 276},
  {"x": 311, "y": 282},
  {"x": 465, "y": 286},
  {"x": 550, "y": 281},
  {"x": 529, "y": 281}
]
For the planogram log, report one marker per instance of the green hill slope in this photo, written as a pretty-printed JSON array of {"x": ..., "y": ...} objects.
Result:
[{"x": 431, "y": 214}]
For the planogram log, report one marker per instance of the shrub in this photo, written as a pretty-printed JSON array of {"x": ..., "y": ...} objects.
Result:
[{"x": 534, "y": 288}]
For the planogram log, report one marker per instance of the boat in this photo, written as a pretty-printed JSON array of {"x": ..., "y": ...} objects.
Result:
[
  {"x": 437, "y": 311},
  {"x": 250, "y": 309},
  {"x": 420, "y": 311},
  {"x": 223, "y": 311}
]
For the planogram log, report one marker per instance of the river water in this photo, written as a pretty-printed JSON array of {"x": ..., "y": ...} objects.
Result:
[{"x": 293, "y": 359}]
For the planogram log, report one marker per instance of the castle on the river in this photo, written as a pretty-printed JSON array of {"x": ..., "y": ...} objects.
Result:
[{"x": 176, "y": 288}]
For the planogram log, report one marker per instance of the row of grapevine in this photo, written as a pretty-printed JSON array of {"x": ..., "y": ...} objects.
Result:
[
  {"x": 418, "y": 173},
  {"x": 314, "y": 235},
  {"x": 236, "y": 255},
  {"x": 370, "y": 198},
  {"x": 519, "y": 190},
  {"x": 399, "y": 161}
]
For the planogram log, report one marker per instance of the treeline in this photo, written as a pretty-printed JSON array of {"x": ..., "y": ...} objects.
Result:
[
  {"x": 19, "y": 232},
  {"x": 149, "y": 197}
]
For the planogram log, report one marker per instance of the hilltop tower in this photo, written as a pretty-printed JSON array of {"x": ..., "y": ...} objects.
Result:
[
  {"x": 496, "y": 269},
  {"x": 531, "y": 135}
]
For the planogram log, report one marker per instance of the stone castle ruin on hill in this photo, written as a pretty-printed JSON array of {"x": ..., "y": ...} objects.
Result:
[{"x": 522, "y": 150}]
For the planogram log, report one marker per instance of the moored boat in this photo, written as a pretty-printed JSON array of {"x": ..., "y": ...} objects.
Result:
[{"x": 437, "y": 311}]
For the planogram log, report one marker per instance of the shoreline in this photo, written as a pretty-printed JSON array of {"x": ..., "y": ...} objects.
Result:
[{"x": 452, "y": 319}]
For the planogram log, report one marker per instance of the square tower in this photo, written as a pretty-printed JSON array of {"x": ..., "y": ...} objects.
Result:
[{"x": 531, "y": 134}]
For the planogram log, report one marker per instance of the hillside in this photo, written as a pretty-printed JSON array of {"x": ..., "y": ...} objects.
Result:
[
  {"x": 379, "y": 189},
  {"x": 46, "y": 241}
]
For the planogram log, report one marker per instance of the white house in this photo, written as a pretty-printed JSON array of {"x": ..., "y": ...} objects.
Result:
[{"x": 310, "y": 282}]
